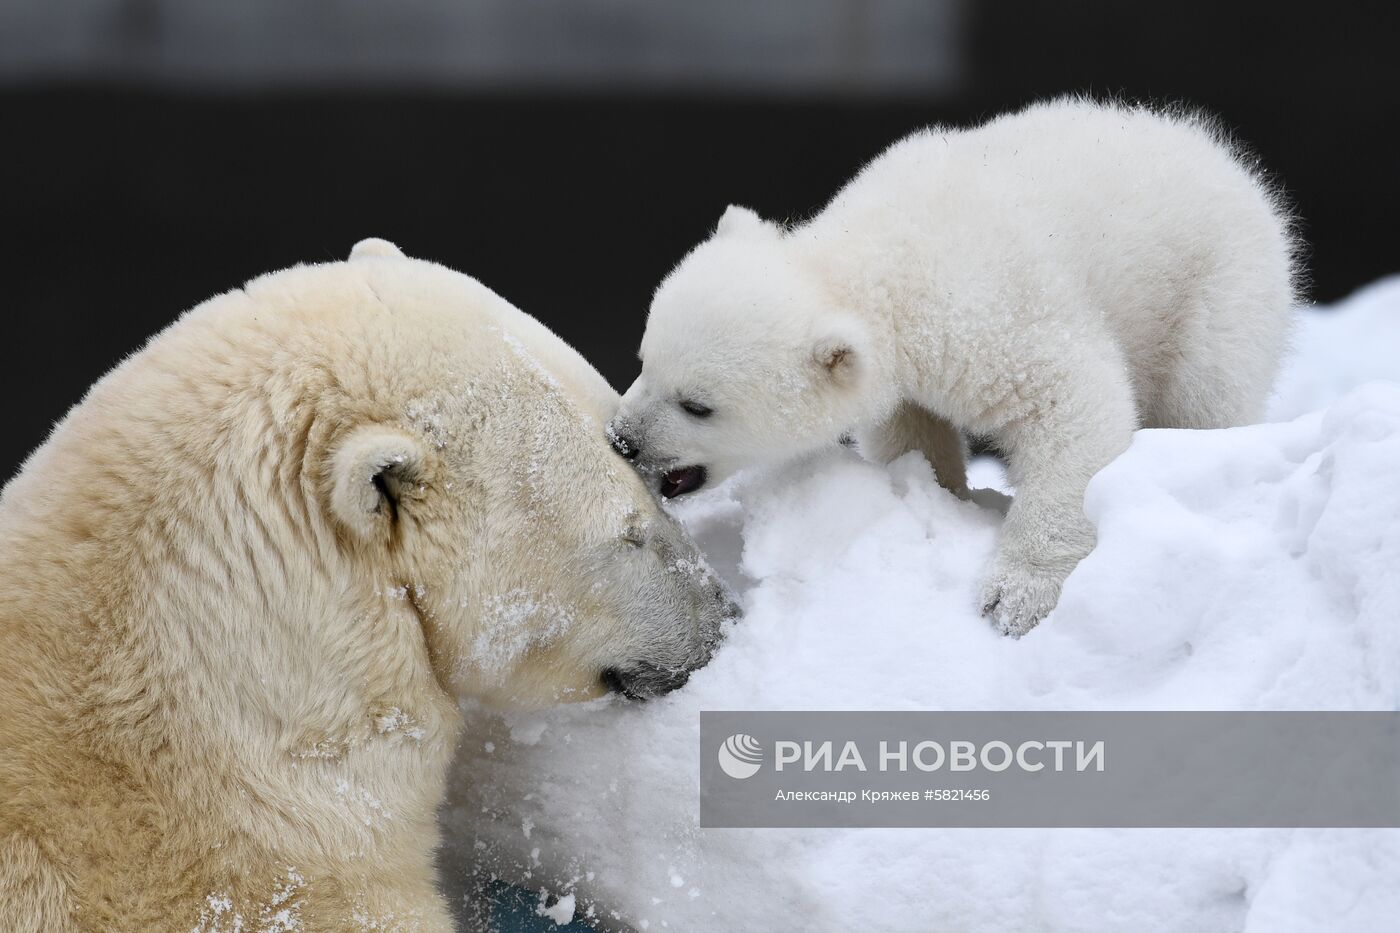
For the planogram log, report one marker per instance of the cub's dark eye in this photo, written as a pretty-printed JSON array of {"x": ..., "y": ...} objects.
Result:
[{"x": 696, "y": 409}]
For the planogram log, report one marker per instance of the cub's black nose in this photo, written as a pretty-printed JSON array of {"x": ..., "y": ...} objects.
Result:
[{"x": 624, "y": 444}]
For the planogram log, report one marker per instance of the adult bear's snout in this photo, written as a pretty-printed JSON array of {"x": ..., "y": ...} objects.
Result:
[
  {"x": 644, "y": 681},
  {"x": 624, "y": 442}
]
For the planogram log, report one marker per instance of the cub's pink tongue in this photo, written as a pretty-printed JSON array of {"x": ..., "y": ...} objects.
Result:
[{"x": 680, "y": 482}]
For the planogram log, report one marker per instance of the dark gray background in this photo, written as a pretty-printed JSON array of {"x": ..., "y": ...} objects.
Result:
[{"x": 155, "y": 152}]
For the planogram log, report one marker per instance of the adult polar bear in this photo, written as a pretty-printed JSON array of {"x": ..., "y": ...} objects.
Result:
[
  {"x": 244, "y": 583},
  {"x": 1053, "y": 279}
]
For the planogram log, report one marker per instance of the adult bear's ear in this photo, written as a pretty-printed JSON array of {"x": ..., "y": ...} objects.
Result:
[
  {"x": 371, "y": 467},
  {"x": 374, "y": 246},
  {"x": 741, "y": 221}
]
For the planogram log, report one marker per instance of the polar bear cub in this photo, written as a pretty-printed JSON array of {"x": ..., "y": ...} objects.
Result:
[
  {"x": 1052, "y": 280},
  {"x": 246, "y": 581}
]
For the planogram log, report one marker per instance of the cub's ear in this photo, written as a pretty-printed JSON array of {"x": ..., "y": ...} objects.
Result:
[
  {"x": 740, "y": 221},
  {"x": 374, "y": 247},
  {"x": 840, "y": 353},
  {"x": 369, "y": 469}
]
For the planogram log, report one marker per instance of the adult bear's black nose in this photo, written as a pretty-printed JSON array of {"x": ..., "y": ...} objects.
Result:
[
  {"x": 624, "y": 443},
  {"x": 644, "y": 681}
]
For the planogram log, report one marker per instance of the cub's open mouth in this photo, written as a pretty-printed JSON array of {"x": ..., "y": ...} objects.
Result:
[{"x": 680, "y": 482}]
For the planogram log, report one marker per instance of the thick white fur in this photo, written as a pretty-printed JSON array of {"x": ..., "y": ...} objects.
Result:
[
  {"x": 1053, "y": 279},
  {"x": 245, "y": 582}
]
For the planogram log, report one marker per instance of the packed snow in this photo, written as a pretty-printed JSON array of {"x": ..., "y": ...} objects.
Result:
[{"x": 1252, "y": 568}]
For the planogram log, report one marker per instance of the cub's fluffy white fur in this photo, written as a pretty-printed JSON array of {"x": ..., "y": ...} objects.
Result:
[{"x": 1053, "y": 280}]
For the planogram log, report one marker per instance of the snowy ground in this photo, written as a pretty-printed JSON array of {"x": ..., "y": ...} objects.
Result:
[{"x": 1255, "y": 568}]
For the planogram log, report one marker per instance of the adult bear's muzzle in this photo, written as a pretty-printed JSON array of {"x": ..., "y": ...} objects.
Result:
[{"x": 644, "y": 681}]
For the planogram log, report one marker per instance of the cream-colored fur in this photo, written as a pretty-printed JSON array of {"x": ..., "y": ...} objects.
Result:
[
  {"x": 1053, "y": 279},
  {"x": 246, "y": 580}
]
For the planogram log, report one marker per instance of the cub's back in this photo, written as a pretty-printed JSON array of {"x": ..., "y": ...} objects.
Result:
[
  {"x": 1072, "y": 166},
  {"x": 1130, "y": 211}
]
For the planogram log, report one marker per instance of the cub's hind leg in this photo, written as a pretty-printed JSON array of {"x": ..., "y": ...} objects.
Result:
[
  {"x": 913, "y": 427},
  {"x": 1226, "y": 360}
]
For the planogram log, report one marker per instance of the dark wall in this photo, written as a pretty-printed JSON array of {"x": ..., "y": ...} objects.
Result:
[
  {"x": 1313, "y": 88},
  {"x": 125, "y": 206}
]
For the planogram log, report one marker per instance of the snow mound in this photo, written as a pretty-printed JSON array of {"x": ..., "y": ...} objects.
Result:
[
  {"x": 1335, "y": 351},
  {"x": 1253, "y": 568}
]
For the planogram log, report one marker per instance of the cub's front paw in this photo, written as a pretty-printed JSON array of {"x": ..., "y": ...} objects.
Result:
[{"x": 1017, "y": 598}]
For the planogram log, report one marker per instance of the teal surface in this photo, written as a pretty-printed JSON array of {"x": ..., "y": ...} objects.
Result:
[{"x": 513, "y": 910}]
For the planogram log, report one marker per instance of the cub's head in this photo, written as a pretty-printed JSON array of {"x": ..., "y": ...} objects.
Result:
[
  {"x": 467, "y": 471},
  {"x": 745, "y": 361}
]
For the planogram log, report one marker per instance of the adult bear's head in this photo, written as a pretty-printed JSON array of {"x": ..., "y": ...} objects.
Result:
[
  {"x": 381, "y": 466},
  {"x": 465, "y": 468}
]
